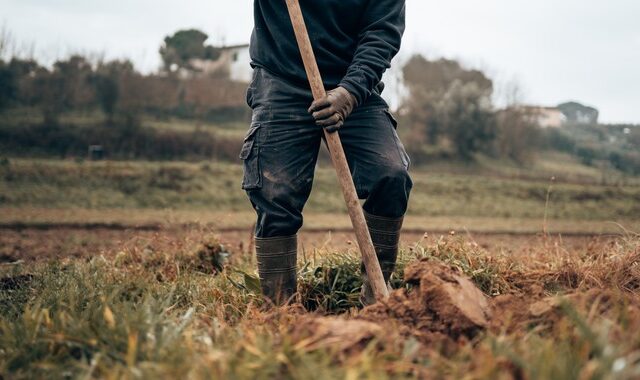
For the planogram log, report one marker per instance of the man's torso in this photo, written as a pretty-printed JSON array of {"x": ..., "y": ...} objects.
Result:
[{"x": 333, "y": 27}]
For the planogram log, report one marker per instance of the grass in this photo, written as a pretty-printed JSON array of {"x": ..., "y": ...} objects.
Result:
[
  {"x": 158, "y": 304},
  {"x": 215, "y": 186},
  {"x": 238, "y": 221},
  {"x": 565, "y": 167},
  {"x": 17, "y": 116},
  {"x": 562, "y": 166},
  {"x": 232, "y": 129},
  {"x": 164, "y": 310}
]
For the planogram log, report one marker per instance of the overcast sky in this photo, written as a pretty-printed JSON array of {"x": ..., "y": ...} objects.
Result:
[{"x": 557, "y": 50}]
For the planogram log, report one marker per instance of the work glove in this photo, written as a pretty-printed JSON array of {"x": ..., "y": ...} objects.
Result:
[{"x": 331, "y": 111}]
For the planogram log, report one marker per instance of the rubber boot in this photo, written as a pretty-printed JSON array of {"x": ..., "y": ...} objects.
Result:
[
  {"x": 277, "y": 259},
  {"x": 385, "y": 234}
]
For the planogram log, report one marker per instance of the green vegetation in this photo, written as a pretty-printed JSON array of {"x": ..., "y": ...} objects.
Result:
[
  {"x": 449, "y": 114},
  {"x": 165, "y": 311},
  {"x": 119, "y": 141},
  {"x": 175, "y": 303},
  {"x": 185, "y": 45},
  {"x": 21, "y": 117},
  {"x": 215, "y": 186},
  {"x": 606, "y": 146},
  {"x": 115, "y": 89},
  {"x": 183, "y": 113}
]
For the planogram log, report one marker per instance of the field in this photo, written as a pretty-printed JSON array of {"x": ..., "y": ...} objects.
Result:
[
  {"x": 127, "y": 247},
  {"x": 150, "y": 304},
  {"x": 214, "y": 187},
  {"x": 146, "y": 270}
]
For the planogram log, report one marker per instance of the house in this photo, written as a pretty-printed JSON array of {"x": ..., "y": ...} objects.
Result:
[
  {"x": 565, "y": 113},
  {"x": 545, "y": 117},
  {"x": 232, "y": 62}
]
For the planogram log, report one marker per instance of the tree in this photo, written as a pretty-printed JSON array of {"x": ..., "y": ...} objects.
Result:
[
  {"x": 183, "y": 46},
  {"x": 634, "y": 137},
  {"x": 12, "y": 74},
  {"x": 65, "y": 87},
  {"x": 22, "y": 74},
  {"x": 106, "y": 82},
  {"x": 468, "y": 118},
  {"x": 428, "y": 82},
  {"x": 449, "y": 102},
  {"x": 437, "y": 76},
  {"x": 8, "y": 87},
  {"x": 73, "y": 79},
  {"x": 7, "y": 42},
  {"x": 577, "y": 113},
  {"x": 517, "y": 136}
]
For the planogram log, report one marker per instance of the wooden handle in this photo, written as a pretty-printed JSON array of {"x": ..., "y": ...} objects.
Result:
[{"x": 339, "y": 159}]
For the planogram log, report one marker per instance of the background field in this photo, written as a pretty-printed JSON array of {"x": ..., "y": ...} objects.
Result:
[
  {"x": 135, "y": 268},
  {"x": 151, "y": 193}
]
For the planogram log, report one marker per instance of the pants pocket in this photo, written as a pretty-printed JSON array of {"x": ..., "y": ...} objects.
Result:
[
  {"x": 250, "y": 154},
  {"x": 406, "y": 161}
]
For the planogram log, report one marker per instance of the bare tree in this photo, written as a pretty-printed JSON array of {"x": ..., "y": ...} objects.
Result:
[
  {"x": 7, "y": 42},
  {"x": 517, "y": 135}
]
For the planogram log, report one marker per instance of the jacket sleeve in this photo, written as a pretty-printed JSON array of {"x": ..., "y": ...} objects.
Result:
[{"x": 379, "y": 40}]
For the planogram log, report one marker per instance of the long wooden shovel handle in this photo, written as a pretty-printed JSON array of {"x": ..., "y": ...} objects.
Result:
[{"x": 367, "y": 250}]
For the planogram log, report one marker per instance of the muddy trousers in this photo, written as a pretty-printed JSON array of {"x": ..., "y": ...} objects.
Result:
[
  {"x": 280, "y": 152},
  {"x": 280, "y": 155}
]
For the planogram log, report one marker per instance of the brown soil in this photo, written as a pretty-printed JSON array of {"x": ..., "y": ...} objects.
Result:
[
  {"x": 441, "y": 307},
  {"x": 438, "y": 302},
  {"x": 438, "y": 306},
  {"x": 32, "y": 244},
  {"x": 313, "y": 332}
]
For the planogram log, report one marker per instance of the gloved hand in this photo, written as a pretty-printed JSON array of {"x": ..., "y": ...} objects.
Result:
[{"x": 331, "y": 111}]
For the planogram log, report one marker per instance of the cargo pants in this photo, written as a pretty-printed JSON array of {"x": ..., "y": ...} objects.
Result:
[{"x": 281, "y": 148}]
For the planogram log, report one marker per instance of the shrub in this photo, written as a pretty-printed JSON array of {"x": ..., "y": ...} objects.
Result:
[{"x": 121, "y": 141}]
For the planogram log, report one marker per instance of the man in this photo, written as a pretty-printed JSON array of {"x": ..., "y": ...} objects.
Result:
[{"x": 354, "y": 42}]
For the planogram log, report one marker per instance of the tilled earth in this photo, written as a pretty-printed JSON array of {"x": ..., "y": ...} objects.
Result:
[
  {"x": 442, "y": 308},
  {"x": 38, "y": 244},
  {"x": 437, "y": 305},
  {"x": 459, "y": 299}
]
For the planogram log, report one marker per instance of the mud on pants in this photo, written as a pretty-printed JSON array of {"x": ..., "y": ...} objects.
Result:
[{"x": 280, "y": 153}]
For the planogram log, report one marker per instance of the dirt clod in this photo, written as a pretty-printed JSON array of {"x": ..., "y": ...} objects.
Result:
[
  {"x": 544, "y": 306},
  {"x": 440, "y": 301},
  {"x": 439, "y": 306},
  {"x": 337, "y": 333}
]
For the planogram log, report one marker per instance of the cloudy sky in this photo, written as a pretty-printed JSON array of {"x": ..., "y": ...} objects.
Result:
[{"x": 557, "y": 50}]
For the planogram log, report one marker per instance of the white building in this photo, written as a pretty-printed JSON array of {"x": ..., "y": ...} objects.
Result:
[
  {"x": 232, "y": 63},
  {"x": 546, "y": 117}
]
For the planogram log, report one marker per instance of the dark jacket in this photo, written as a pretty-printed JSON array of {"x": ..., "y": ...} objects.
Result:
[{"x": 354, "y": 41}]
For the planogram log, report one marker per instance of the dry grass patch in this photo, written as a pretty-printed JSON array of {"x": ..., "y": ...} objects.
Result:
[{"x": 167, "y": 310}]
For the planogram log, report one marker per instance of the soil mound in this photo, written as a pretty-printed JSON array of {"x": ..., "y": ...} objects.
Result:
[
  {"x": 439, "y": 305},
  {"x": 439, "y": 302}
]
